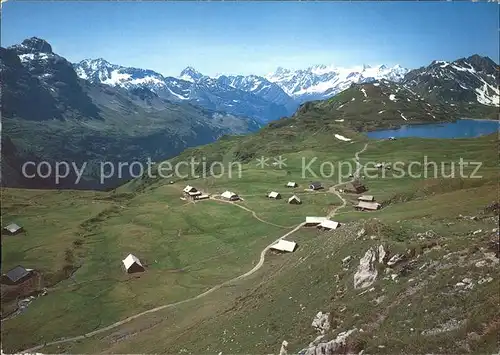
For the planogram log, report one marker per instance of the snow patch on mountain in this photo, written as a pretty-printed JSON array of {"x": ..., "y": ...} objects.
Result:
[
  {"x": 485, "y": 97},
  {"x": 261, "y": 87},
  {"x": 241, "y": 96},
  {"x": 342, "y": 138},
  {"x": 464, "y": 80},
  {"x": 322, "y": 81}
]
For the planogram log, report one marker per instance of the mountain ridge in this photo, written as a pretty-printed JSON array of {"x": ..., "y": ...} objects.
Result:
[
  {"x": 191, "y": 86},
  {"x": 323, "y": 81},
  {"x": 53, "y": 101},
  {"x": 469, "y": 79},
  {"x": 289, "y": 88},
  {"x": 50, "y": 114}
]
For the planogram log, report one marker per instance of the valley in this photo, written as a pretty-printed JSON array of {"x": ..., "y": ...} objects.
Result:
[
  {"x": 194, "y": 247},
  {"x": 51, "y": 115},
  {"x": 52, "y": 108}
]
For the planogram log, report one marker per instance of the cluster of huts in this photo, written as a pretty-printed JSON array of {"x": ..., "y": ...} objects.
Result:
[
  {"x": 192, "y": 193},
  {"x": 367, "y": 203},
  {"x": 18, "y": 274},
  {"x": 132, "y": 264},
  {"x": 294, "y": 199},
  {"x": 322, "y": 223}
]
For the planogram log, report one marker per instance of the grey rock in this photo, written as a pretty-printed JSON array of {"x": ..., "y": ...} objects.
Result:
[
  {"x": 366, "y": 273},
  {"x": 395, "y": 259},
  {"x": 321, "y": 322}
]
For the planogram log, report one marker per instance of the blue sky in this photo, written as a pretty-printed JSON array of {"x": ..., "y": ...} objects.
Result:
[{"x": 256, "y": 37}]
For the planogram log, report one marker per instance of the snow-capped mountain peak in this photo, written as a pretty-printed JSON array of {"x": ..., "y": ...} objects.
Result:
[
  {"x": 278, "y": 94},
  {"x": 323, "y": 81},
  {"x": 190, "y": 74},
  {"x": 247, "y": 100},
  {"x": 101, "y": 71},
  {"x": 464, "y": 80},
  {"x": 96, "y": 64}
]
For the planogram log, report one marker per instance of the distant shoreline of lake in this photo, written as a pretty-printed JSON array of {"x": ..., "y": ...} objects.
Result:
[
  {"x": 480, "y": 119},
  {"x": 461, "y": 128}
]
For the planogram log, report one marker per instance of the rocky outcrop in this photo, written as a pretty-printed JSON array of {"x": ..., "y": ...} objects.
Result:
[
  {"x": 395, "y": 259},
  {"x": 321, "y": 322},
  {"x": 284, "y": 346},
  {"x": 381, "y": 254},
  {"x": 331, "y": 347},
  {"x": 366, "y": 273}
]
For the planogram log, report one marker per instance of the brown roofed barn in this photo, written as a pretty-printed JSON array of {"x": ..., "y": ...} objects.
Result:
[{"x": 355, "y": 187}]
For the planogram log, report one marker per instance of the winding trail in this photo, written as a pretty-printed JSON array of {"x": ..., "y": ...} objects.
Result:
[
  {"x": 333, "y": 188},
  {"x": 216, "y": 287}
]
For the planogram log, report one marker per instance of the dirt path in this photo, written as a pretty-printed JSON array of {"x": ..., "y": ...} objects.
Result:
[
  {"x": 333, "y": 188},
  {"x": 170, "y": 305},
  {"x": 248, "y": 273}
]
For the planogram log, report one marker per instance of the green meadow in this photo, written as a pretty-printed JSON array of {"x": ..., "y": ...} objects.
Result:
[{"x": 77, "y": 239}]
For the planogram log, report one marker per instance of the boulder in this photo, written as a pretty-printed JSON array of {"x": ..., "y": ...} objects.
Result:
[
  {"x": 321, "y": 322},
  {"x": 284, "y": 346},
  {"x": 366, "y": 273},
  {"x": 346, "y": 260},
  {"x": 381, "y": 254},
  {"x": 332, "y": 347},
  {"x": 395, "y": 259}
]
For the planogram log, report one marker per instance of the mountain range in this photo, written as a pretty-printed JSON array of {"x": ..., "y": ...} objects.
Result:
[
  {"x": 472, "y": 80},
  {"x": 192, "y": 87},
  {"x": 264, "y": 98},
  {"x": 279, "y": 94},
  {"x": 321, "y": 81},
  {"x": 50, "y": 114},
  {"x": 95, "y": 111}
]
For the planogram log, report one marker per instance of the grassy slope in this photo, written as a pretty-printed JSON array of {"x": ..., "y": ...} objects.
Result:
[
  {"x": 311, "y": 130},
  {"x": 190, "y": 247}
]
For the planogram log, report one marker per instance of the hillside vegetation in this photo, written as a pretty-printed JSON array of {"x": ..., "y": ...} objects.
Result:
[
  {"x": 319, "y": 128},
  {"x": 189, "y": 248},
  {"x": 418, "y": 275}
]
